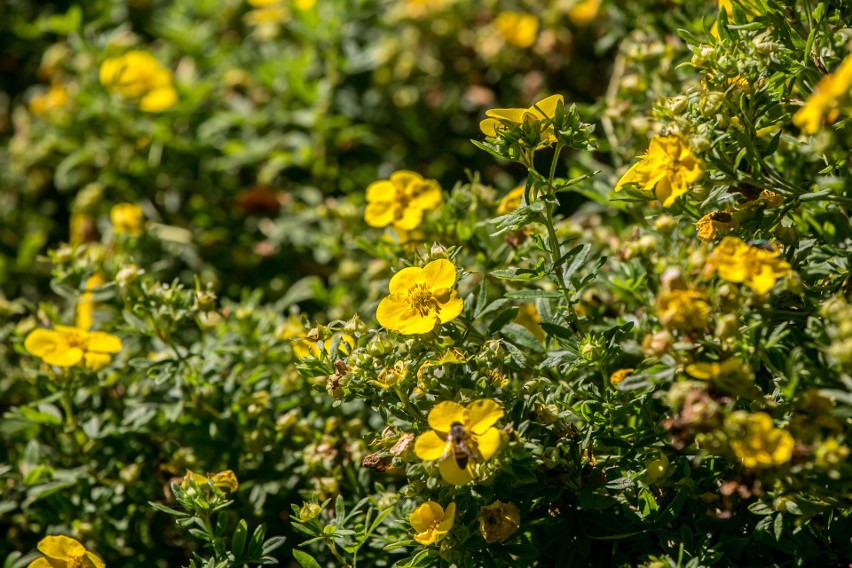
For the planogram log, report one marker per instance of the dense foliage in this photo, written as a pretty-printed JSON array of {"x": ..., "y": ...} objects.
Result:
[{"x": 425, "y": 283}]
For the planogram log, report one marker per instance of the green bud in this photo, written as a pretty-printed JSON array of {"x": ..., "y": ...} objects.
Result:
[
  {"x": 355, "y": 326},
  {"x": 309, "y": 512}
]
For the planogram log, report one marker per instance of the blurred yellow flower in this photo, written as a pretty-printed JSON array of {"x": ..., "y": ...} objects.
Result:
[
  {"x": 44, "y": 103},
  {"x": 668, "y": 167},
  {"x": 138, "y": 76},
  {"x": 758, "y": 267},
  {"x": 401, "y": 200},
  {"x": 715, "y": 370},
  {"x": 619, "y": 375},
  {"x": 512, "y": 201},
  {"x": 499, "y": 119},
  {"x": 709, "y": 226},
  {"x": 64, "y": 552},
  {"x": 529, "y": 318},
  {"x": 225, "y": 480},
  {"x": 66, "y": 346},
  {"x": 86, "y": 304},
  {"x": 431, "y": 521},
  {"x": 822, "y": 106},
  {"x": 683, "y": 309},
  {"x": 756, "y": 442},
  {"x": 127, "y": 219},
  {"x": 584, "y": 12},
  {"x": 498, "y": 521},
  {"x": 421, "y": 298},
  {"x": 460, "y": 437},
  {"x": 517, "y": 28}
]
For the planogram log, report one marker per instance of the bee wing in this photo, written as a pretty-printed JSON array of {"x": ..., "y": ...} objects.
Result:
[{"x": 448, "y": 449}]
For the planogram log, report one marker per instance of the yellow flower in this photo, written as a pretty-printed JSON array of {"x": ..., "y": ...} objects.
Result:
[
  {"x": 709, "y": 226},
  {"x": 127, "y": 219},
  {"x": 498, "y": 521},
  {"x": 499, "y": 119},
  {"x": 821, "y": 106},
  {"x": 512, "y": 201},
  {"x": 528, "y": 317},
  {"x": 460, "y": 436},
  {"x": 421, "y": 298},
  {"x": 401, "y": 200},
  {"x": 431, "y": 521},
  {"x": 668, "y": 167},
  {"x": 715, "y": 370},
  {"x": 138, "y": 76},
  {"x": 517, "y": 28},
  {"x": 683, "y": 309},
  {"x": 758, "y": 267},
  {"x": 86, "y": 305},
  {"x": 584, "y": 12},
  {"x": 64, "y": 552},
  {"x": 619, "y": 375},
  {"x": 389, "y": 377},
  {"x": 225, "y": 480},
  {"x": 66, "y": 346},
  {"x": 756, "y": 442},
  {"x": 52, "y": 100}
]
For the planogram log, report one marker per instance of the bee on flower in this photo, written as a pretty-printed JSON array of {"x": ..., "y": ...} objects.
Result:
[{"x": 461, "y": 437}]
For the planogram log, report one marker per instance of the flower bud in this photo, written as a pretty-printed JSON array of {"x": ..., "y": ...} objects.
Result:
[
  {"x": 309, "y": 511},
  {"x": 677, "y": 104},
  {"x": 437, "y": 251},
  {"x": 355, "y": 326},
  {"x": 665, "y": 224}
]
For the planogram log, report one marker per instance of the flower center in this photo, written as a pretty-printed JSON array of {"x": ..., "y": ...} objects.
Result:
[
  {"x": 402, "y": 201},
  {"x": 421, "y": 299},
  {"x": 74, "y": 561},
  {"x": 76, "y": 340}
]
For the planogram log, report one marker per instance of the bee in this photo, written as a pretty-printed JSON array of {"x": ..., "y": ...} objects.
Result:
[{"x": 459, "y": 446}]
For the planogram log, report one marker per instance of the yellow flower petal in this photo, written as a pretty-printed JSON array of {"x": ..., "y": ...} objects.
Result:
[
  {"x": 404, "y": 178},
  {"x": 409, "y": 220},
  {"x": 379, "y": 214},
  {"x": 411, "y": 322},
  {"x": 389, "y": 311},
  {"x": 425, "y": 195},
  {"x": 453, "y": 474},
  {"x": 40, "y": 563},
  {"x": 42, "y": 341},
  {"x": 449, "y": 519},
  {"x": 489, "y": 126},
  {"x": 451, "y": 305},
  {"x": 64, "y": 358},
  {"x": 60, "y": 547},
  {"x": 439, "y": 273},
  {"x": 549, "y": 104},
  {"x": 159, "y": 100},
  {"x": 429, "y": 446},
  {"x": 488, "y": 443},
  {"x": 382, "y": 190},
  {"x": 426, "y": 516},
  {"x": 95, "y": 361},
  {"x": 482, "y": 414},
  {"x": 93, "y": 561},
  {"x": 103, "y": 342},
  {"x": 403, "y": 280},
  {"x": 445, "y": 413}
]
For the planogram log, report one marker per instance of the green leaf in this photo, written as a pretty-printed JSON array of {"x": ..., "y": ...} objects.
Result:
[
  {"x": 532, "y": 294},
  {"x": 518, "y": 274},
  {"x": 503, "y": 319},
  {"x": 238, "y": 541},
  {"x": 305, "y": 560}
]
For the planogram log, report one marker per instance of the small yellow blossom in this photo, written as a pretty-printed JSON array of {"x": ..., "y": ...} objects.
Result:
[
  {"x": 66, "y": 346},
  {"x": 683, "y": 309},
  {"x": 498, "y": 521},
  {"x": 389, "y": 377},
  {"x": 715, "y": 370},
  {"x": 55, "y": 98},
  {"x": 512, "y": 201},
  {"x": 668, "y": 167},
  {"x": 431, "y": 521},
  {"x": 517, "y": 28},
  {"x": 759, "y": 267},
  {"x": 64, "y": 552},
  {"x": 421, "y": 298},
  {"x": 528, "y": 317},
  {"x": 709, "y": 226},
  {"x": 499, "y": 119},
  {"x": 619, "y": 375},
  {"x": 460, "y": 436},
  {"x": 225, "y": 480},
  {"x": 756, "y": 442},
  {"x": 138, "y": 76},
  {"x": 584, "y": 12},
  {"x": 822, "y": 106},
  {"x": 86, "y": 305},
  {"x": 127, "y": 219},
  {"x": 401, "y": 200}
]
